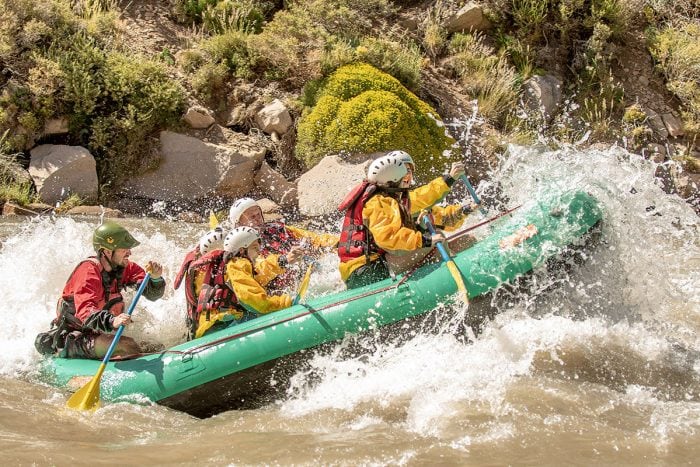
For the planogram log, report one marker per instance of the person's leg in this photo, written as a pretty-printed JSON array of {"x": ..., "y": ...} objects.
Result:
[
  {"x": 368, "y": 274},
  {"x": 125, "y": 346}
]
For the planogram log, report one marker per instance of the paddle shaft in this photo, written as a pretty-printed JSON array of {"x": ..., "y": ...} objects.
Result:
[
  {"x": 132, "y": 305},
  {"x": 304, "y": 285},
  {"x": 451, "y": 265},
  {"x": 472, "y": 192}
]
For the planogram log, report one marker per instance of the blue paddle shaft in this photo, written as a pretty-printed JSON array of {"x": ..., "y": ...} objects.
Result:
[
  {"x": 472, "y": 191},
  {"x": 132, "y": 305},
  {"x": 440, "y": 246}
]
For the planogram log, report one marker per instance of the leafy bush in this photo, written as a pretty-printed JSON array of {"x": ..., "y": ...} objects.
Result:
[
  {"x": 362, "y": 110},
  {"x": 484, "y": 76},
  {"x": 677, "y": 51}
]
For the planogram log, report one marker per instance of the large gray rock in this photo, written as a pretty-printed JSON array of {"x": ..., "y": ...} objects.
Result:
[
  {"x": 274, "y": 118},
  {"x": 321, "y": 189},
  {"x": 543, "y": 94},
  {"x": 59, "y": 171},
  {"x": 274, "y": 185},
  {"x": 191, "y": 169},
  {"x": 468, "y": 19}
]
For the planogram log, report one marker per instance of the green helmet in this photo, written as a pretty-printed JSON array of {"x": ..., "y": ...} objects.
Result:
[{"x": 110, "y": 236}]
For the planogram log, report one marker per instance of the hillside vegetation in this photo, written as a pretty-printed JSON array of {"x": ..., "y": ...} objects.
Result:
[{"x": 119, "y": 85}]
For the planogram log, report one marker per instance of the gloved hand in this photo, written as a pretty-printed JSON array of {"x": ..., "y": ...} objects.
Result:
[
  {"x": 437, "y": 238},
  {"x": 295, "y": 254},
  {"x": 468, "y": 208},
  {"x": 155, "y": 269},
  {"x": 457, "y": 170}
]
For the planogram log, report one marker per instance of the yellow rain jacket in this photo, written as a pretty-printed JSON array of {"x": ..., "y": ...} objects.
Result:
[
  {"x": 324, "y": 240},
  {"x": 382, "y": 214},
  {"x": 248, "y": 287}
]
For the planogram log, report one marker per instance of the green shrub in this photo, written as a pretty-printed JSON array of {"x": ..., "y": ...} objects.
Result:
[
  {"x": 231, "y": 50},
  {"x": 676, "y": 50},
  {"x": 485, "y": 76},
  {"x": 361, "y": 110}
]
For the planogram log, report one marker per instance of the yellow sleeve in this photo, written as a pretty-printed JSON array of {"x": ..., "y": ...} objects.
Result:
[
  {"x": 267, "y": 269},
  {"x": 448, "y": 217},
  {"x": 383, "y": 216},
  {"x": 427, "y": 195},
  {"x": 324, "y": 240},
  {"x": 239, "y": 276}
]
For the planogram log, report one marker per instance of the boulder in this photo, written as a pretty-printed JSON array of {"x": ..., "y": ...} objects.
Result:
[
  {"x": 191, "y": 170},
  {"x": 469, "y": 18},
  {"x": 98, "y": 211},
  {"x": 56, "y": 126},
  {"x": 274, "y": 118},
  {"x": 198, "y": 117},
  {"x": 321, "y": 189},
  {"x": 59, "y": 171},
  {"x": 543, "y": 94},
  {"x": 274, "y": 185}
]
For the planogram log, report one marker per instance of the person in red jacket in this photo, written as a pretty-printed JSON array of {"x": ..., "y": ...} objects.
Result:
[{"x": 91, "y": 305}]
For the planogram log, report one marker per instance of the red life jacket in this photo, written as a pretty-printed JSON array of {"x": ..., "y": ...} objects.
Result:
[
  {"x": 189, "y": 258},
  {"x": 276, "y": 239},
  {"x": 355, "y": 237},
  {"x": 214, "y": 295},
  {"x": 112, "y": 299}
]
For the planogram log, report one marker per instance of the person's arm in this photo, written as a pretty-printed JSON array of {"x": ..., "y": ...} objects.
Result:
[
  {"x": 316, "y": 240},
  {"x": 268, "y": 268},
  {"x": 383, "y": 217},
  {"x": 239, "y": 276},
  {"x": 134, "y": 274},
  {"x": 427, "y": 195},
  {"x": 449, "y": 217}
]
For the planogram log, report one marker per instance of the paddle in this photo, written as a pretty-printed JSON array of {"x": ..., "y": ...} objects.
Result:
[
  {"x": 213, "y": 221},
  {"x": 88, "y": 397},
  {"x": 303, "y": 287},
  {"x": 454, "y": 270},
  {"x": 472, "y": 192}
]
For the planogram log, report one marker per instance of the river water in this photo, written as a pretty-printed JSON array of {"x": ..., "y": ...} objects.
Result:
[{"x": 597, "y": 364}]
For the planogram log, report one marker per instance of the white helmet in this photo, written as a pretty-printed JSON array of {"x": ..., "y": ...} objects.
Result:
[
  {"x": 238, "y": 208},
  {"x": 207, "y": 241},
  {"x": 240, "y": 237},
  {"x": 404, "y": 157},
  {"x": 387, "y": 169}
]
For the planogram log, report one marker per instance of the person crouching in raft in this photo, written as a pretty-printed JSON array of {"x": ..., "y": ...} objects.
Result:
[
  {"x": 91, "y": 304},
  {"x": 287, "y": 242},
  {"x": 232, "y": 292},
  {"x": 380, "y": 217}
]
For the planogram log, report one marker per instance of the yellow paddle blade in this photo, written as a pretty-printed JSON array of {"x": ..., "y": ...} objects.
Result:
[
  {"x": 213, "y": 221},
  {"x": 461, "y": 288},
  {"x": 304, "y": 284},
  {"x": 87, "y": 397}
]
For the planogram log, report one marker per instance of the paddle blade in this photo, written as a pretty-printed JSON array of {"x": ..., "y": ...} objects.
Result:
[
  {"x": 303, "y": 287},
  {"x": 213, "y": 221},
  {"x": 457, "y": 276},
  {"x": 87, "y": 397}
]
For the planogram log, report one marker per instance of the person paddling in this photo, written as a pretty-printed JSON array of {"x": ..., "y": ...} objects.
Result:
[
  {"x": 381, "y": 214},
  {"x": 236, "y": 294},
  {"x": 91, "y": 305},
  {"x": 277, "y": 238}
]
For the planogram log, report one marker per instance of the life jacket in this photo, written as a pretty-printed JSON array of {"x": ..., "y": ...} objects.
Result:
[
  {"x": 189, "y": 258},
  {"x": 355, "y": 236},
  {"x": 214, "y": 294},
  {"x": 276, "y": 238},
  {"x": 112, "y": 300}
]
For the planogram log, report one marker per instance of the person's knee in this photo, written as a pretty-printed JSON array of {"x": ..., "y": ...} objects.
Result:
[{"x": 127, "y": 346}]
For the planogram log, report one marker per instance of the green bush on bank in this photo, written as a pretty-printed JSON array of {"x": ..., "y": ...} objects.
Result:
[
  {"x": 677, "y": 52},
  {"x": 360, "y": 110},
  {"x": 66, "y": 65}
]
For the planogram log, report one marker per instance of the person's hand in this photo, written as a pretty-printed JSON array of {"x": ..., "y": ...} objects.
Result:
[
  {"x": 470, "y": 207},
  {"x": 296, "y": 253},
  {"x": 155, "y": 269},
  {"x": 121, "y": 320},
  {"x": 437, "y": 238},
  {"x": 457, "y": 170}
]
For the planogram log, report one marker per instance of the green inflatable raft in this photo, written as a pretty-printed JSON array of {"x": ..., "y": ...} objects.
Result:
[{"x": 249, "y": 364}]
